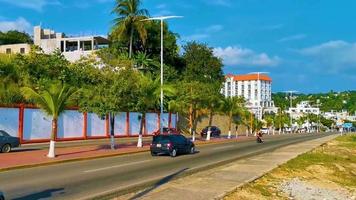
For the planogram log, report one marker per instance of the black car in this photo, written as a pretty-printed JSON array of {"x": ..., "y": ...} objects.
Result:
[
  {"x": 172, "y": 144},
  {"x": 215, "y": 131},
  {"x": 8, "y": 142},
  {"x": 2, "y": 197}
]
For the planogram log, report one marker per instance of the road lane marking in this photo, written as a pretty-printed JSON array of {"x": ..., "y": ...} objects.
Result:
[
  {"x": 224, "y": 147},
  {"x": 115, "y": 166}
]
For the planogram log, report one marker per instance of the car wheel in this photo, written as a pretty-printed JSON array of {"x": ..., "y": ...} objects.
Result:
[
  {"x": 2, "y": 198},
  {"x": 174, "y": 153},
  {"x": 192, "y": 150},
  {"x": 153, "y": 154},
  {"x": 6, "y": 148}
]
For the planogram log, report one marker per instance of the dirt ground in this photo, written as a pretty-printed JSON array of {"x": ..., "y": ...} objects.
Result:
[{"x": 327, "y": 172}]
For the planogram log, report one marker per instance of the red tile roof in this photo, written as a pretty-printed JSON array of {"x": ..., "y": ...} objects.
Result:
[{"x": 250, "y": 77}]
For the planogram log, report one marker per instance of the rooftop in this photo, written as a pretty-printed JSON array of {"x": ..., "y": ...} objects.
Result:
[{"x": 250, "y": 77}]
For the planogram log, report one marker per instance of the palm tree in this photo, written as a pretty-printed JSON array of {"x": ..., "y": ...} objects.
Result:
[
  {"x": 52, "y": 100},
  {"x": 129, "y": 18},
  {"x": 149, "y": 99},
  {"x": 232, "y": 106}
]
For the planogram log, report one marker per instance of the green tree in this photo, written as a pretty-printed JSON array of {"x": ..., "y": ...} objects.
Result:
[
  {"x": 116, "y": 92},
  {"x": 52, "y": 100},
  {"x": 201, "y": 64},
  {"x": 232, "y": 106},
  {"x": 149, "y": 99},
  {"x": 129, "y": 19},
  {"x": 14, "y": 37}
]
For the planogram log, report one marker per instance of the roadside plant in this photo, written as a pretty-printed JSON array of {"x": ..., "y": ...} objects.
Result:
[{"x": 52, "y": 99}]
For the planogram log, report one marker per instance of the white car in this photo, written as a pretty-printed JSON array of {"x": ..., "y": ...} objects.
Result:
[{"x": 264, "y": 130}]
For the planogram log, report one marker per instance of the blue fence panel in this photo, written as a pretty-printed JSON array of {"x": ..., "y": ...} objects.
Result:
[
  {"x": 96, "y": 125},
  {"x": 37, "y": 125},
  {"x": 120, "y": 124},
  {"x": 9, "y": 120},
  {"x": 70, "y": 124}
]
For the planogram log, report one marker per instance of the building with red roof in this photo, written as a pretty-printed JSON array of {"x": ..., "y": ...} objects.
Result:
[{"x": 256, "y": 89}]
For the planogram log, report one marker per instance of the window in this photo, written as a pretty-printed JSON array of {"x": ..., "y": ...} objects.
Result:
[
  {"x": 22, "y": 50},
  {"x": 8, "y": 51}
]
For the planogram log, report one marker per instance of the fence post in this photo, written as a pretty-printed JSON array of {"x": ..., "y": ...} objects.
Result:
[
  {"x": 21, "y": 122},
  {"x": 85, "y": 125},
  {"x": 159, "y": 121},
  {"x": 169, "y": 120},
  {"x": 107, "y": 126},
  {"x": 127, "y": 124}
]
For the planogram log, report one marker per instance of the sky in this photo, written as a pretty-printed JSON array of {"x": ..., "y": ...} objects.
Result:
[{"x": 304, "y": 45}]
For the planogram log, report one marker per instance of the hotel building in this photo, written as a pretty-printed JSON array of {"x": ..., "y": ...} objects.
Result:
[{"x": 256, "y": 89}]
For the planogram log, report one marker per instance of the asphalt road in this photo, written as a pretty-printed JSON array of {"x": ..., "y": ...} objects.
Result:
[{"x": 86, "y": 179}]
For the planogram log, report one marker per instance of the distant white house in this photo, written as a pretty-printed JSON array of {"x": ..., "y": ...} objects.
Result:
[
  {"x": 72, "y": 48},
  {"x": 302, "y": 109}
]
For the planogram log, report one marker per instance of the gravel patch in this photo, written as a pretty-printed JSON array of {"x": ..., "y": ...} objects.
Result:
[{"x": 301, "y": 190}]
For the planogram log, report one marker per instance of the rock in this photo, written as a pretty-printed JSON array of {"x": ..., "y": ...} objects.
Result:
[{"x": 339, "y": 167}]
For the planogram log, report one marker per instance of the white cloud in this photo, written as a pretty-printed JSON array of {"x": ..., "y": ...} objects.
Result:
[
  {"x": 233, "y": 55},
  {"x": 213, "y": 28},
  {"x": 195, "y": 37},
  {"x": 203, "y": 33},
  {"x": 32, "y": 4},
  {"x": 20, "y": 24},
  {"x": 293, "y": 37},
  {"x": 218, "y": 2},
  {"x": 336, "y": 56},
  {"x": 272, "y": 27}
]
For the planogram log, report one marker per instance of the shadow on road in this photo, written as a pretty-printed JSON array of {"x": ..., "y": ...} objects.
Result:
[
  {"x": 158, "y": 184},
  {"x": 23, "y": 150},
  {"x": 46, "y": 194}
]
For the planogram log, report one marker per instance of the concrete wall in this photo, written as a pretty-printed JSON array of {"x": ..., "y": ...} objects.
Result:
[
  {"x": 15, "y": 48},
  {"x": 218, "y": 120}
]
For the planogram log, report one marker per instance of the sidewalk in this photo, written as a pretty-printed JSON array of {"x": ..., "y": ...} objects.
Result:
[
  {"x": 35, "y": 155},
  {"x": 217, "y": 182}
]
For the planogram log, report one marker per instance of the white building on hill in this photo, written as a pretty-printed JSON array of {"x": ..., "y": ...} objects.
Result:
[
  {"x": 72, "y": 48},
  {"x": 302, "y": 109},
  {"x": 256, "y": 89}
]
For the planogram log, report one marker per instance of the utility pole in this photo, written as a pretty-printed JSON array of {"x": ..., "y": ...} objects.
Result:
[
  {"x": 290, "y": 107},
  {"x": 318, "y": 125}
]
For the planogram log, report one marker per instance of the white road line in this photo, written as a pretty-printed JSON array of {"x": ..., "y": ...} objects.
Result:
[
  {"x": 224, "y": 147},
  {"x": 115, "y": 166}
]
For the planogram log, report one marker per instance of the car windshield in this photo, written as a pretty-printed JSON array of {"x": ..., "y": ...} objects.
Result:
[
  {"x": 3, "y": 133},
  {"x": 161, "y": 139}
]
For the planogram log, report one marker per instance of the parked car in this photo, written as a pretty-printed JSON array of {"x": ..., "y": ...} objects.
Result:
[
  {"x": 171, "y": 144},
  {"x": 7, "y": 142},
  {"x": 167, "y": 131},
  {"x": 215, "y": 131},
  {"x": 2, "y": 197}
]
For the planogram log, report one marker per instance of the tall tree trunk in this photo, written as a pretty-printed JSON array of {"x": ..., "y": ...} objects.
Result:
[
  {"x": 51, "y": 152},
  {"x": 142, "y": 128},
  {"x": 112, "y": 130},
  {"x": 211, "y": 114},
  {"x": 230, "y": 122},
  {"x": 191, "y": 118},
  {"x": 131, "y": 41}
]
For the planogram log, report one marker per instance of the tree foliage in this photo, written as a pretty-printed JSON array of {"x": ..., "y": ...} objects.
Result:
[{"x": 14, "y": 37}]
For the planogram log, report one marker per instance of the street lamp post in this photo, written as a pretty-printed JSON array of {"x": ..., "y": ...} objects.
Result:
[
  {"x": 161, "y": 18},
  {"x": 290, "y": 107},
  {"x": 318, "y": 125}
]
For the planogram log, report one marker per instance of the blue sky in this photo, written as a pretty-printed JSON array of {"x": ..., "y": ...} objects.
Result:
[{"x": 305, "y": 45}]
